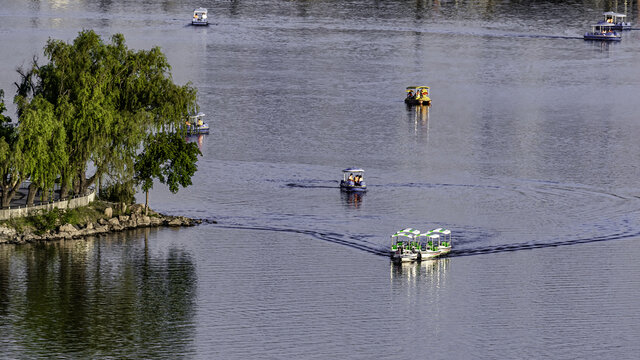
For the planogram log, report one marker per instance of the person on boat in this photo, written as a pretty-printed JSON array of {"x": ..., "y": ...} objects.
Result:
[
  {"x": 410, "y": 94},
  {"x": 199, "y": 121}
]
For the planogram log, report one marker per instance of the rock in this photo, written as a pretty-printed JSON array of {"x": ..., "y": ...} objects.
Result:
[
  {"x": 114, "y": 222},
  {"x": 67, "y": 228},
  {"x": 144, "y": 221},
  {"x": 155, "y": 221},
  {"x": 123, "y": 207},
  {"x": 90, "y": 226},
  {"x": 7, "y": 232},
  {"x": 102, "y": 222},
  {"x": 137, "y": 209},
  {"x": 123, "y": 218},
  {"x": 108, "y": 212},
  {"x": 175, "y": 222}
]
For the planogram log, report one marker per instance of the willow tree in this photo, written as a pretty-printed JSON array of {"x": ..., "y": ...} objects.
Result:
[
  {"x": 10, "y": 178},
  {"x": 41, "y": 141},
  {"x": 168, "y": 158},
  {"x": 107, "y": 98}
]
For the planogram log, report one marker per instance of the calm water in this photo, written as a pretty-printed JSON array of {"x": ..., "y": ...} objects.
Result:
[{"x": 529, "y": 154}]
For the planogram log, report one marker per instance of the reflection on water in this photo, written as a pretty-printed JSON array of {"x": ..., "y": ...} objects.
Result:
[
  {"x": 430, "y": 271},
  {"x": 110, "y": 295},
  {"x": 198, "y": 139},
  {"x": 352, "y": 199},
  {"x": 419, "y": 116}
]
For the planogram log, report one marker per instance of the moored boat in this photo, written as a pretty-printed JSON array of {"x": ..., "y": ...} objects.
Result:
[
  {"x": 200, "y": 17},
  {"x": 603, "y": 32},
  {"x": 353, "y": 180},
  {"x": 616, "y": 19},
  {"x": 417, "y": 95}
]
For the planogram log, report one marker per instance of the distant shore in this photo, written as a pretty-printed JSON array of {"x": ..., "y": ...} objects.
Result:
[{"x": 95, "y": 219}]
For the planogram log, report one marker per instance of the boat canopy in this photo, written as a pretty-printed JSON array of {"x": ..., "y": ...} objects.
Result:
[
  {"x": 200, "y": 11},
  {"x": 411, "y": 230},
  {"x": 614, "y": 14},
  {"x": 198, "y": 115},
  {"x": 417, "y": 87},
  {"x": 441, "y": 231},
  {"x": 402, "y": 234},
  {"x": 429, "y": 235},
  {"x": 353, "y": 170}
]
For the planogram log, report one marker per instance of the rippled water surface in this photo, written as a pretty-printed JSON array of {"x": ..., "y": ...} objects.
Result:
[{"x": 529, "y": 154}]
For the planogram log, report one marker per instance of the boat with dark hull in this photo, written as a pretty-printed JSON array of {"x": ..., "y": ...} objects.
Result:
[
  {"x": 617, "y": 20},
  {"x": 353, "y": 180},
  {"x": 417, "y": 95},
  {"x": 603, "y": 32}
]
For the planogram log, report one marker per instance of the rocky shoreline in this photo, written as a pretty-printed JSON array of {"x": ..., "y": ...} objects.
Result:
[{"x": 109, "y": 223}]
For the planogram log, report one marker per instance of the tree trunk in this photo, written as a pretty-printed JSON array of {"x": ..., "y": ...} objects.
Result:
[
  {"x": 33, "y": 190},
  {"x": 5, "y": 196},
  {"x": 8, "y": 192},
  {"x": 146, "y": 204},
  {"x": 64, "y": 191}
]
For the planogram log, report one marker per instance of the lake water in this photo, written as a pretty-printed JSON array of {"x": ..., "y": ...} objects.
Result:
[{"x": 529, "y": 155}]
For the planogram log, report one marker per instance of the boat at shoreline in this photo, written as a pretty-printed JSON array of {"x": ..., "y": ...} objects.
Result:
[
  {"x": 417, "y": 95},
  {"x": 200, "y": 17},
  {"x": 195, "y": 125},
  {"x": 353, "y": 180}
]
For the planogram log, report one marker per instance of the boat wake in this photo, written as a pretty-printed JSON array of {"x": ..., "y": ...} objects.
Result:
[
  {"x": 350, "y": 241},
  {"x": 308, "y": 186},
  {"x": 539, "y": 245}
]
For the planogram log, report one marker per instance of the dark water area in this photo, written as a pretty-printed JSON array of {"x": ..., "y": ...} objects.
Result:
[{"x": 529, "y": 155}]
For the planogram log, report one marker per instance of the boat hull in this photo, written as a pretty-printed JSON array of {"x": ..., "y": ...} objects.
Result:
[
  {"x": 404, "y": 257},
  {"x": 201, "y": 129},
  {"x": 352, "y": 188},
  {"x": 199, "y": 23},
  {"x": 618, "y": 26},
  {"x": 429, "y": 254},
  {"x": 410, "y": 101},
  {"x": 602, "y": 37}
]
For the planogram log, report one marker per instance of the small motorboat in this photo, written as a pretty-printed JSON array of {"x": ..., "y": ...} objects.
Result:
[
  {"x": 200, "y": 17},
  {"x": 616, "y": 19},
  {"x": 196, "y": 125},
  {"x": 604, "y": 32},
  {"x": 445, "y": 245},
  {"x": 417, "y": 95},
  {"x": 353, "y": 180},
  {"x": 404, "y": 246}
]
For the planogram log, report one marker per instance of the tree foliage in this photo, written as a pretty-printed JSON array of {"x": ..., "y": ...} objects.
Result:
[
  {"x": 168, "y": 158},
  {"x": 91, "y": 108}
]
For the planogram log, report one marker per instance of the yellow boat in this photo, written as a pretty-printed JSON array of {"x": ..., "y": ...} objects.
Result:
[{"x": 417, "y": 95}]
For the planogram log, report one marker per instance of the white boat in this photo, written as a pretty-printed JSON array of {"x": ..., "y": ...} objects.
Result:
[
  {"x": 200, "y": 17},
  {"x": 403, "y": 245},
  {"x": 445, "y": 245},
  {"x": 428, "y": 249}
]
